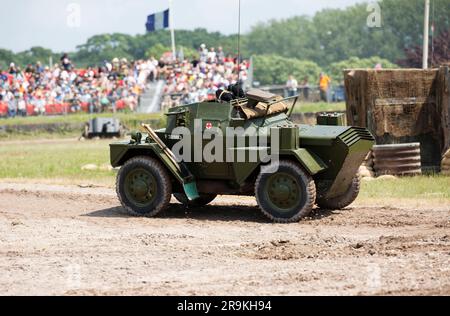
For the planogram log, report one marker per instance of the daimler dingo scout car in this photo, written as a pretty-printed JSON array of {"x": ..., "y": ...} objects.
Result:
[{"x": 308, "y": 166}]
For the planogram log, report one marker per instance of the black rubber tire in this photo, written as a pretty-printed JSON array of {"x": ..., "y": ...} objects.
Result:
[
  {"x": 341, "y": 202},
  {"x": 305, "y": 184},
  {"x": 163, "y": 182},
  {"x": 203, "y": 200}
]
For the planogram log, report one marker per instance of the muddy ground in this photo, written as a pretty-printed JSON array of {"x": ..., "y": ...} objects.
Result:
[{"x": 71, "y": 240}]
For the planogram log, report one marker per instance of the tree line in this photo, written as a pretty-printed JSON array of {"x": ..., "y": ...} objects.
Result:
[{"x": 331, "y": 40}]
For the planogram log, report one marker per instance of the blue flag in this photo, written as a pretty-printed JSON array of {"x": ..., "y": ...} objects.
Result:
[{"x": 158, "y": 21}]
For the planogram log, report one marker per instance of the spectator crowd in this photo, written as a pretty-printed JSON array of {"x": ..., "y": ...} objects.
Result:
[
  {"x": 118, "y": 84},
  {"x": 115, "y": 85},
  {"x": 197, "y": 80},
  {"x": 62, "y": 89}
]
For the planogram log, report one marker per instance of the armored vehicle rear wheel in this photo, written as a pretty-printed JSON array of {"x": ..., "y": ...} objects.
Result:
[
  {"x": 286, "y": 196},
  {"x": 203, "y": 200},
  {"x": 340, "y": 202},
  {"x": 144, "y": 187}
]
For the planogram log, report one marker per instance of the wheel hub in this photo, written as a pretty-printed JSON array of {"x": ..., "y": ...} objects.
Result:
[
  {"x": 140, "y": 187},
  {"x": 283, "y": 191}
]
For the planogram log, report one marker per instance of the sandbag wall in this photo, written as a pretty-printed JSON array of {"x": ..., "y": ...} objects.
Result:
[{"x": 403, "y": 106}]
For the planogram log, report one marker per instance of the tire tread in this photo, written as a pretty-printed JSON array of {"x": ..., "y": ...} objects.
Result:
[
  {"x": 344, "y": 200},
  {"x": 310, "y": 189},
  {"x": 166, "y": 185}
]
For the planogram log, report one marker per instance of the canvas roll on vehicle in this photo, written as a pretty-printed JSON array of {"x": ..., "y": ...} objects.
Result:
[{"x": 257, "y": 150}]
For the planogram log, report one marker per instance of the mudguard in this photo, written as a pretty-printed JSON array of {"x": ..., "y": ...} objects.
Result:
[
  {"x": 310, "y": 161},
  {"x": 121, "y": 152}
]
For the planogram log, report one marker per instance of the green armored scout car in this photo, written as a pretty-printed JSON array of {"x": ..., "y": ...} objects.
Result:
[{"x": 244, "y": 146}]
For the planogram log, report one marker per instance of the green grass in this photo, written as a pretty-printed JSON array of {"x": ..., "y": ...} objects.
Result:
[
  {"x": 39, "y": 134},
  {"x": 62, "y": 160},
  {"x": 54, "y": 160},
  {"x": 319, "y": 107},
  {"x": 126, "y": 118},
  {"x": 74, "y": 125},
  {"x": 420, "y": 187}
]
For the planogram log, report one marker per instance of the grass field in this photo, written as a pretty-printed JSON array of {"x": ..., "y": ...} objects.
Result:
[
  {"x": 36, "y": 126},
  {"x": 319, "y": 107},
  {"x": 126, "y": 118},
  {"x": 61, "y": 162},
  {"x": 54, "y": 160},
  {"x": 420, "y": 187}
]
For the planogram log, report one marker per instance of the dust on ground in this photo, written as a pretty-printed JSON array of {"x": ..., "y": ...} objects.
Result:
[{"x": 76, "y": 240}]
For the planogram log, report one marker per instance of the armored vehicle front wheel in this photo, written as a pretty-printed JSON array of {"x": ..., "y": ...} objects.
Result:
[
  {"x": 287, "y": 195},
  {"x": 203, "y": 200},
  {"x": 144, "y": 187},
  {"x": 340, "y": 202}
]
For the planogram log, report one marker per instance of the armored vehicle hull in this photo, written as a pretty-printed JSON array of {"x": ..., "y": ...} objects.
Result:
[{"x": 246, "y": 147}]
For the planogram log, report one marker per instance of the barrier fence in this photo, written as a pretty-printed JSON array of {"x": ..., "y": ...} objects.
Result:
[{"x": 60, "y": 109}]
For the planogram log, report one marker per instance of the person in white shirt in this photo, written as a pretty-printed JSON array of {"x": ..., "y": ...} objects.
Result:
[
  {"x": 10, "y": 99},
  {"x": 292, "y": 86},
  {"x": 203, "y": 53},
  {"x": 21, "y": 105},
  {"x": 212, "y": 56}
]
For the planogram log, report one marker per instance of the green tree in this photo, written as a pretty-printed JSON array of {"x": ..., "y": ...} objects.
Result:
[
  {"x": 333, "y": 35},
  {"x": 7, "y": 57},
  {"x": 104, "y": 47},
  {"x": 273, "y": 69},
  {"x": 189, "y": 53},
  {"x": 336, "y": 70},
  {"x": 294, "y": 38},
  {"x": 157, "y": 51},
  {"x": 439, "y": 53},
  {"x": 108, "y": 46},
  {"x": 35, "y": 54}
]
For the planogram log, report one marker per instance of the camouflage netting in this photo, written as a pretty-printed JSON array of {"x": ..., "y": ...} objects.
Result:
[{"x": 400, "y": 106}]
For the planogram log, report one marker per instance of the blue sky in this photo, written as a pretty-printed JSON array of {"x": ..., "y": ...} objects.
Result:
[{"x": 27, "y": 23}]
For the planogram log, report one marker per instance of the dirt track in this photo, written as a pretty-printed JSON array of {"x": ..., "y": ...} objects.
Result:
[{"x": 70, "y": 240}]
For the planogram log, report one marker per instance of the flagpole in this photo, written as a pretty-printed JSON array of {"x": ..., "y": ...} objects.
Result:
[
  {"x": 426, "y": 34},
  {"x": 172, "y": 31}
]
